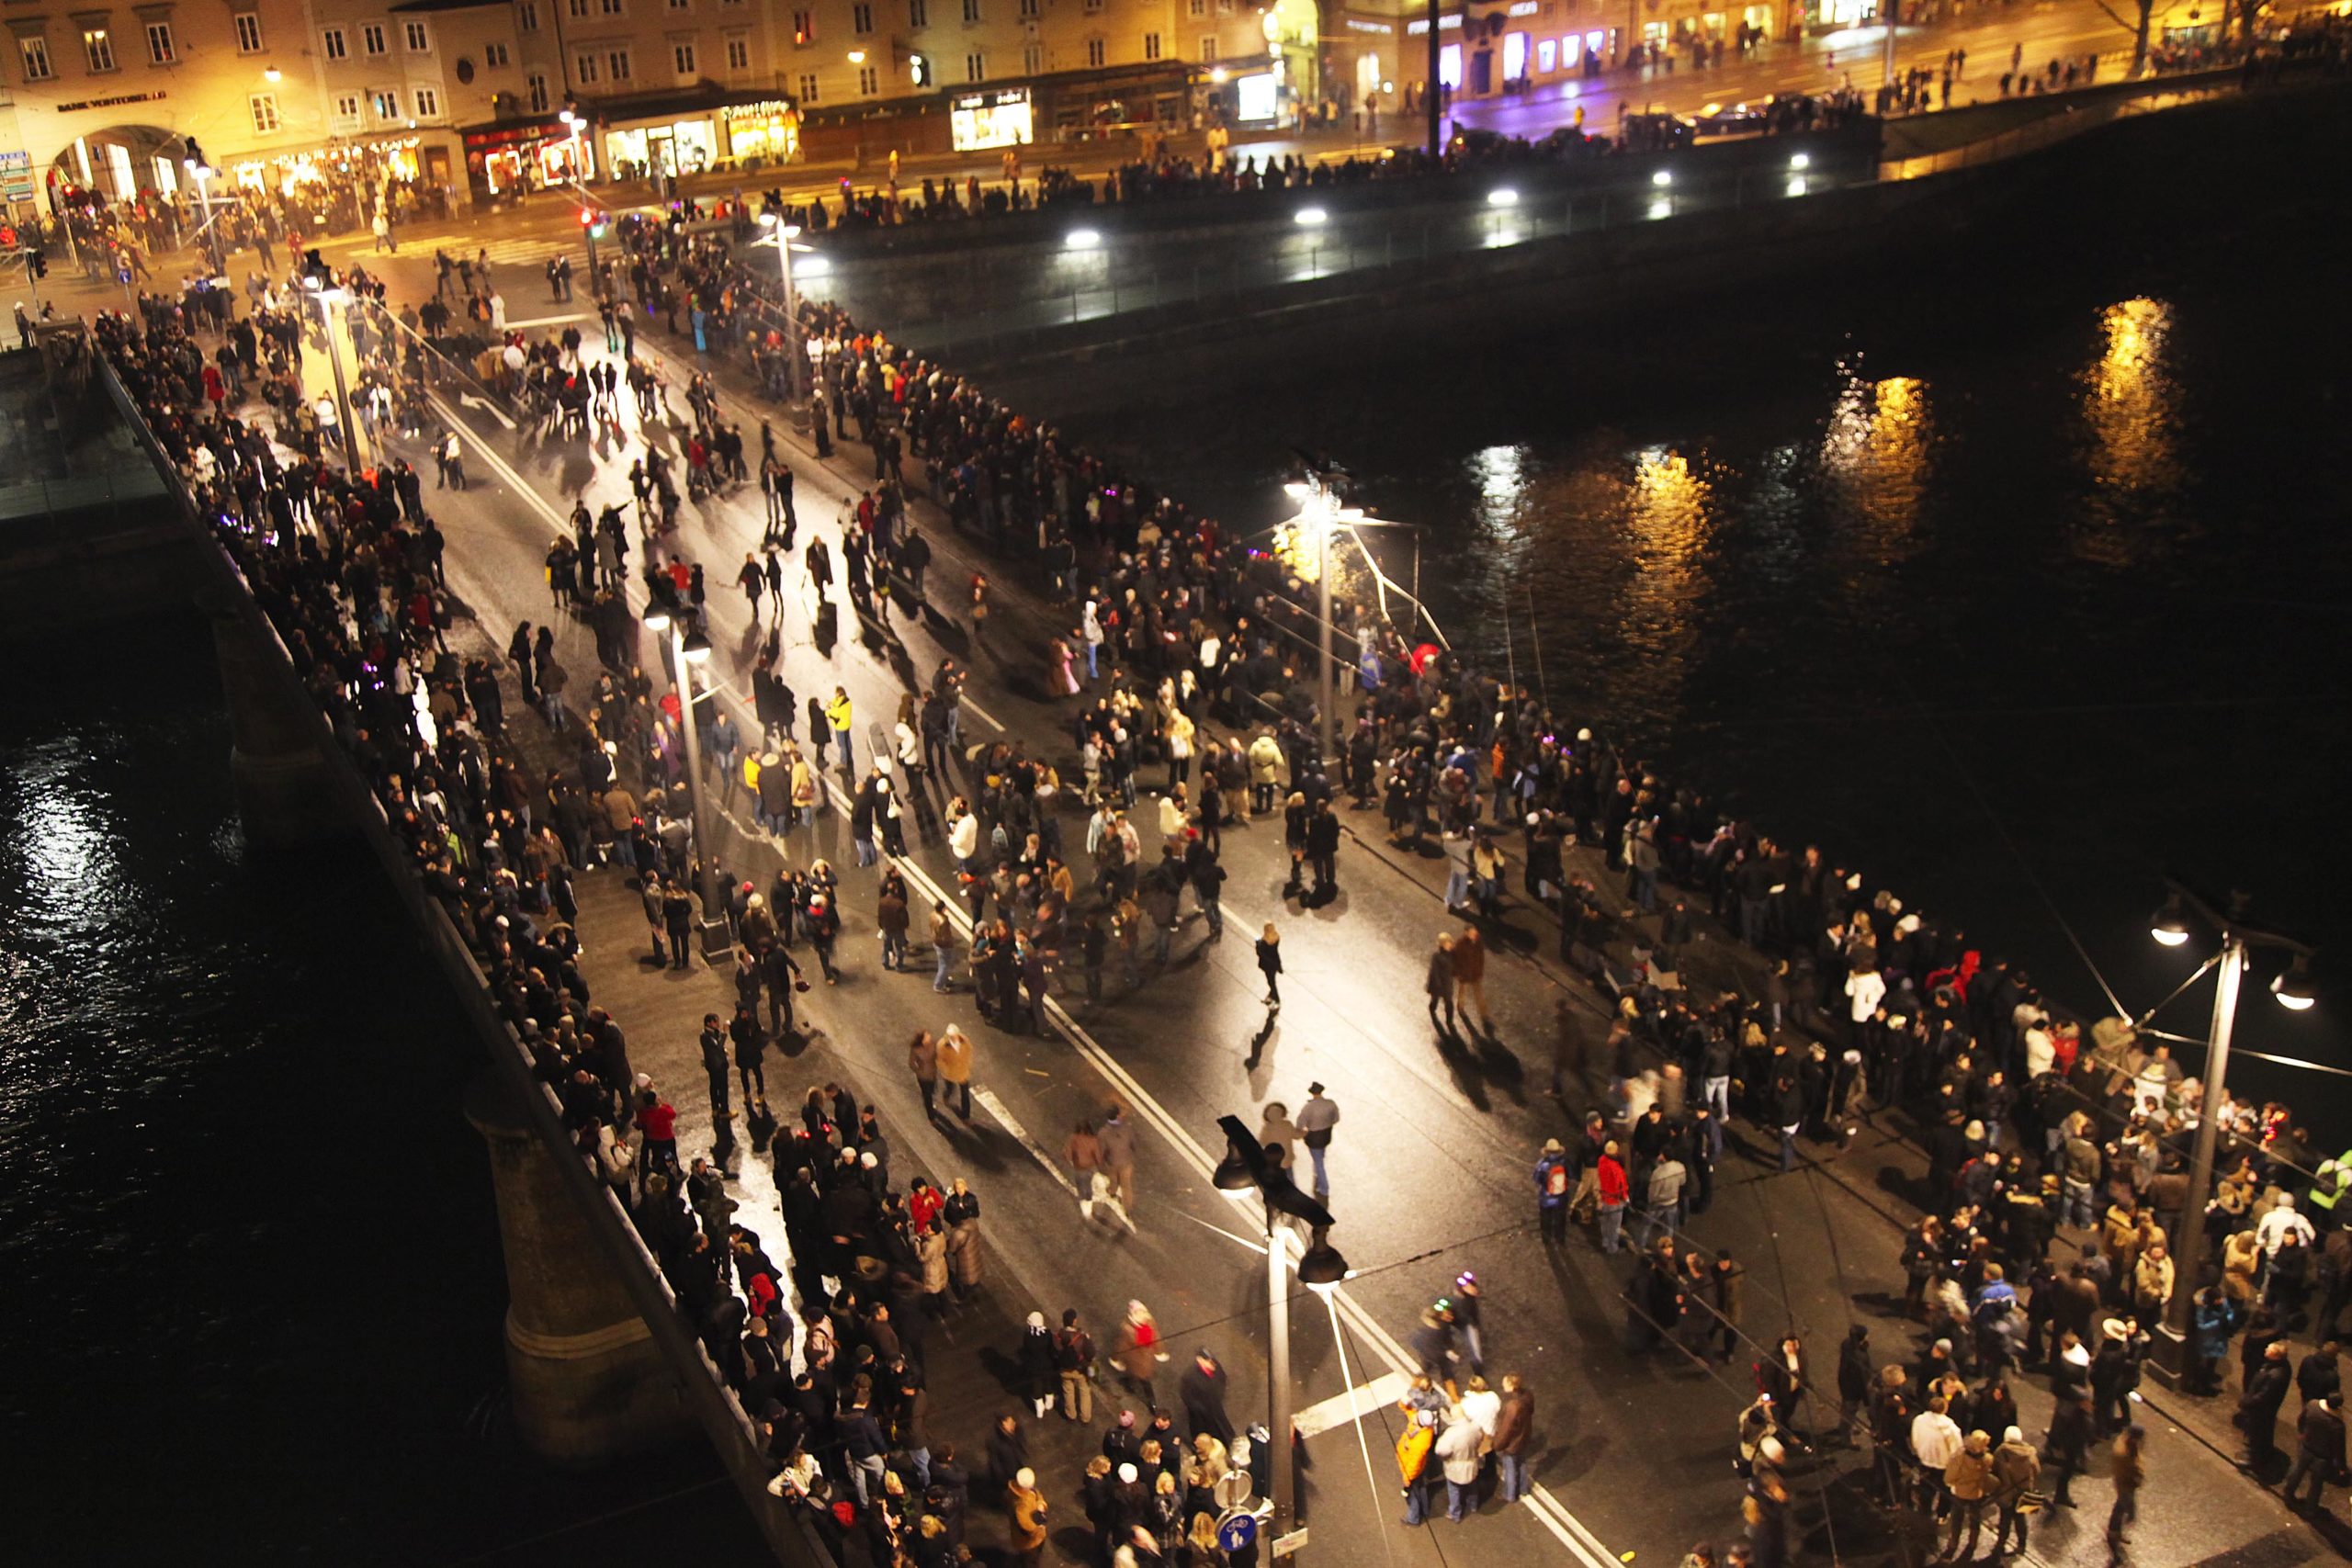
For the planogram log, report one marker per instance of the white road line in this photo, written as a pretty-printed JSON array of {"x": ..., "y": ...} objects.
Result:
[
  {"x": 971, "y": 707},
  {"x": 1555, "y": 1516},
  {"x": 553, "y": 320},
  {"x": 1343, "y": 1409},
  {"x": 995, "y": 1108}
]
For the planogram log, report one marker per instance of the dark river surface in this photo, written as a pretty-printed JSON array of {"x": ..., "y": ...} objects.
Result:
[
  {"x": 2021, "y": 604},
  {"x": 252, "y": 1280}
]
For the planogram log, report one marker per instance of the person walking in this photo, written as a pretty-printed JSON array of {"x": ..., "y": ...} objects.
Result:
[
  {"x": 1115, "y": 1139},
  {"x": 2131, "y": 1469},
  {"x": 1314, "y": 1121},
  {"x": 2319, "y": 1455},
  {"x": 1201, "y": 1391},
  {"x": 1139, "y": 1354},
  {"x": 1470, "y": 978},
  {"x": 1270, "y": 964},
  {"x": 922, "y": 1060},
  {"x": 954, "y": 1056},
  {"x": 1440, "y": 983}
]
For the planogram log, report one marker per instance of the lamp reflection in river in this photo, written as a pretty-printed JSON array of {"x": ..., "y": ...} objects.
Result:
[
  {"x": 2131, "y": 416},
  {"x": 1670, "y": 516},
  {"x": 1877, "y": 450}
]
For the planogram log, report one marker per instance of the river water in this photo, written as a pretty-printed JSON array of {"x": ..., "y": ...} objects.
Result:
[
  {"x": 2018, "y": 591},
  {"x": 253, "y": 1281}
]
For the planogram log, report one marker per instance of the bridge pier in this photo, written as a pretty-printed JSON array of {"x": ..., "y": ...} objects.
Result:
[
  {"x": 286, "y": 794},
  {"x": 589, "y": 1383}
]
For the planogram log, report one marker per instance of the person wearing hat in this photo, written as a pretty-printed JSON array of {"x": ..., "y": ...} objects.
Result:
[
  {"x": 1968, "y": 1481},
  {"x": 1554, "y": 1182},
  {"x": 1314, "y": 1121},
  {"x": 2016, "y": 1470},
  {"x": 1027, "y": 1507}
]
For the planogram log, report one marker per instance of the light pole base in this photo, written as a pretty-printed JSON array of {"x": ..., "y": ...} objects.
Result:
[
  {"x": 2167, "y": 1360},
  {"x": 717, "y": 942}
]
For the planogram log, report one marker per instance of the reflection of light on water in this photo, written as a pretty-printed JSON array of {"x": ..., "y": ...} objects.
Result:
[
  {"x": 1670, "y": 516},
  {"x": 1876, "y": 449},
  {"x": 1501, "y": 474},
  {"x": 2130, "y": 412},
  {"x": 61, "y": 843},
  {"x": 1668, "y": 506}
]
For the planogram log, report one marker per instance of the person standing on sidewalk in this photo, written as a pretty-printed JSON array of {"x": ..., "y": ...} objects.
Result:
[
  {"x": 1314, "y": 1121},
  {"x": 943, "y": 946},
  {"x": 1553, "y": 1181},
  {"x": 2016, "y": 1470},
  {"x": 1074, "y": 1359}
]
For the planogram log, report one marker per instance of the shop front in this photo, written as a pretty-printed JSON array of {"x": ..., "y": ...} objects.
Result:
[
  {"x": 370, "y": 162},
  {"x": 666, "y": 150},
  {"x": 512, "y": 158},
  {"x": 764, "y": 128},
  {"x": 1004, "y": 116}
]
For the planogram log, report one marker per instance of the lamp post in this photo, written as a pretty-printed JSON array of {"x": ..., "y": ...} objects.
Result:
[
  {"x": 1249, "y": 1168},
  {"x": 316, "y": 286},
  {"x": 795, "y": 358},
  {"x": 203, "y": 173},
  {"x": 2293, "y": 991},
  {"x": 1319, "y": 509},
  {"x": 689, "y": 647}
]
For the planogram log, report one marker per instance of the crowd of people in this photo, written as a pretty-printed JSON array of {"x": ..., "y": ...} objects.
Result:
[{"x": 1178, "y": 627}]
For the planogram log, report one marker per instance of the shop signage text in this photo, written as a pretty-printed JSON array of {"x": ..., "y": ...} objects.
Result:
[{"x": 112, "y": 103}]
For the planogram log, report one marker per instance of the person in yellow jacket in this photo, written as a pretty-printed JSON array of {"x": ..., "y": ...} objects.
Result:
[
  {"x": 838, "y": 716},
  {"x": 1027, "y": 1506},
  {"x": 1413, "y": 1464},
  {"x": 1969, "y": 1478}
]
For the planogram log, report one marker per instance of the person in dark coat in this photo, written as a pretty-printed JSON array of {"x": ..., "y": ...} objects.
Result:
[
  {"x": 1008, "y": 1453},
  {"x": 2258, "y": 1418},
  {"x": 1201, "y": 1391}
]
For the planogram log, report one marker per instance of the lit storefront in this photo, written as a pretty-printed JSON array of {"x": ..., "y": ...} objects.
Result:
[
  {"x": 511, "y": 158},
  {"x": 768, "y": 129},
  {"x": 371, "y": 162},
  {"x": 678, "y": 147},
  {"x": 1005, "y": 118}
]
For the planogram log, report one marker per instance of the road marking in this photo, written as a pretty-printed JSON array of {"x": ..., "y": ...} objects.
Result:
[
  {"x": 1343, "y": 1409},
  {"x": 971, "y": 707},
  {"x": 995, "y": 1108},
  {"x": 1555, "y": 1516},
  {"x": 470, "y": 400},
  {"x": 554, "y": 321}
]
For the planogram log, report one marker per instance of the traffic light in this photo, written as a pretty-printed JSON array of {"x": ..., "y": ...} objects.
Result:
[{"x": 593, "y": 220}]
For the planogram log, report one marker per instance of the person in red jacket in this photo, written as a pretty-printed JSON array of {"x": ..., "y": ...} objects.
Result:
[
  {"x": 659, "y": 1123},
  {"x": 1614, "y": 1195}
]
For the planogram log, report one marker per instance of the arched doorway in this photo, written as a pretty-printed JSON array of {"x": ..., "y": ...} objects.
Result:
[{"x": 121, "y": 161}]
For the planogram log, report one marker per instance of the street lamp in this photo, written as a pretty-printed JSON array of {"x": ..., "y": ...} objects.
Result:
[
  {"x": 315, "y": 282},
  {"x": 1320, "y": 511},
  {"x": 2169, "y": 927},
  {"x": 1250, "y": 1167},
  {"x": 794, "y": 357},
  {"x": 203, "y": 173},
  {"x": 688, "y": 648}
]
